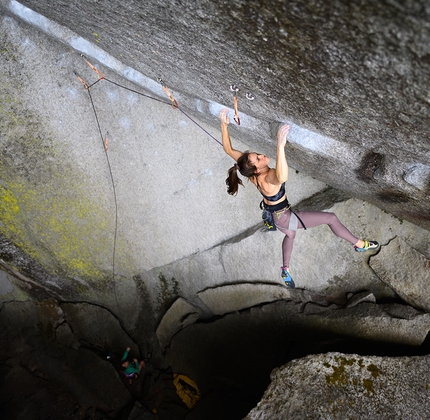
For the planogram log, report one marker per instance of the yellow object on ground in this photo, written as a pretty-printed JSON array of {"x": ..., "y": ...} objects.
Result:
[{"x": 187, "y": 389}]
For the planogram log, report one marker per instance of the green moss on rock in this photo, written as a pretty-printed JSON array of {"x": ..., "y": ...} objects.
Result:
[
  {"x": 368, "y": 385},
  {"x": 375, "y": 371}
]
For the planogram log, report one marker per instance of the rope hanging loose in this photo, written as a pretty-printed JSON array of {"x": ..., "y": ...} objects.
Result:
[{"x": 105, "y": 140}]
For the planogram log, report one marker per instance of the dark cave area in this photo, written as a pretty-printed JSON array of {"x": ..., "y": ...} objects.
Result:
[{"x": 229, "y": 357}]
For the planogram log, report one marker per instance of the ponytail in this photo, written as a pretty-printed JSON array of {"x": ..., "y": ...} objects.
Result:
[
  {"x": 245, "y": 168},
  {"x": 233, "y": 181}
]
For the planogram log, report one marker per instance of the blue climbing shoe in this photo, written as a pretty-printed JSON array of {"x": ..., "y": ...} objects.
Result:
[
  {"x": 368, "y": 246},
  {"x": 285, "y": 274}
]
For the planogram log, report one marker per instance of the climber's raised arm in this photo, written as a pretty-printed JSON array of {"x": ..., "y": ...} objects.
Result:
[
  {"x": 226, "y": 142},
  {"x": 279, "y": 175}
]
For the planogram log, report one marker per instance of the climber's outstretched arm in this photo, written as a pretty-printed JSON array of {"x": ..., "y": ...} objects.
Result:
[{"x": 226, "y": 142}]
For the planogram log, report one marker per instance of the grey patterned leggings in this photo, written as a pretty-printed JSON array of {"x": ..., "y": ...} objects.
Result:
[{"x": 287, "y": 223}]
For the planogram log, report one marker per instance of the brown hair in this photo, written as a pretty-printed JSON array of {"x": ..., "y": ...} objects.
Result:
[{"x": 245, "y": 168}]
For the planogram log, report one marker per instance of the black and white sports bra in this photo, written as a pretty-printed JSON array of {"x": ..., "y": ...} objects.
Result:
[{"x": 277, "y": 196}]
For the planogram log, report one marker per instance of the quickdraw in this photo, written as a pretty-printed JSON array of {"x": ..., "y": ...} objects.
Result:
[
  {"x": 173, "y": 101},
  {"x": 166, "y": 89},
  {"x": 236, "y": 118},
  {"x": 86, "y": 87},
  {"x": 100, "y": 75}
]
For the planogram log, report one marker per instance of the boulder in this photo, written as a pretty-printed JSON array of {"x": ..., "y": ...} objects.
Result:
[
  {"x": 336, "y": 385},
  {"x": 406, "y": 271}
]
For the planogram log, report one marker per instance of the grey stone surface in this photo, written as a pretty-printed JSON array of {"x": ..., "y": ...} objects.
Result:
[
  {"x": 177, "y": 233},
  {"x": 6, "y": 286},
  {"x": 368, "y": 322},
  {"x": 85, "y": 321},
  {"x": 360, "y": 298},
  {"x": 179, "y": 315},
  {"x": 350, "y": 78},
  {"x": 224, "y": 299},
  {"x": 336, "y": 385},
  {"x": 72, "y": 226},
  {"x": 320, "y": 263},
  {"x": 60, "y": 155},
  {"x": 406, "y": 271},
  {"x": 401, "y": 311}
]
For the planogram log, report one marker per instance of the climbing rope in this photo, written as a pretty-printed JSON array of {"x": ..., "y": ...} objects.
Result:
[
  {"x": 105, "y": 141},
  {"x": 173, "y": 103}
]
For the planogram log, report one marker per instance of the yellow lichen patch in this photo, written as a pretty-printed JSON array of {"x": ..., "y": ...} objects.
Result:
[
  {"x": 11, "y": 216},
  {"x": 341, "y": 377},
  {"x": 8, "y": 205},
  {"x": 49, "y": 207},
  {"x": 77, "y": 237},
  {"x": 338, "y": 377},
  {"x": 60, "y": 231}
]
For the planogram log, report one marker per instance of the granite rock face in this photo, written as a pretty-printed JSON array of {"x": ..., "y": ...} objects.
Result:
[
  {"x": 352, "y": 78},
  {"x": 408, "y": 273},
  {"x": 135, "y": 242},
  {"x": 336, "y": 385}
]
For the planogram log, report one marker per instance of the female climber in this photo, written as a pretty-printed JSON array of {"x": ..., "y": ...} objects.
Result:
[{"x": 271, "y": 184}]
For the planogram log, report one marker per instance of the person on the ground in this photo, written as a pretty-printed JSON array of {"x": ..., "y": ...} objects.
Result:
[
  {"x": 131, "y": 369},
  {"x": 271, "y": 184}
]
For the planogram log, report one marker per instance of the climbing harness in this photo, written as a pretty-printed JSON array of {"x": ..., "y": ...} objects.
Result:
[
  {"x": 236, "y": 118},
  {"x": 277, "y": 209}
]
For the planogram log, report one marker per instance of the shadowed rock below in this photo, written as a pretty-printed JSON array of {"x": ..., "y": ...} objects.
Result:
[{"x": 336, "y": 385}]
